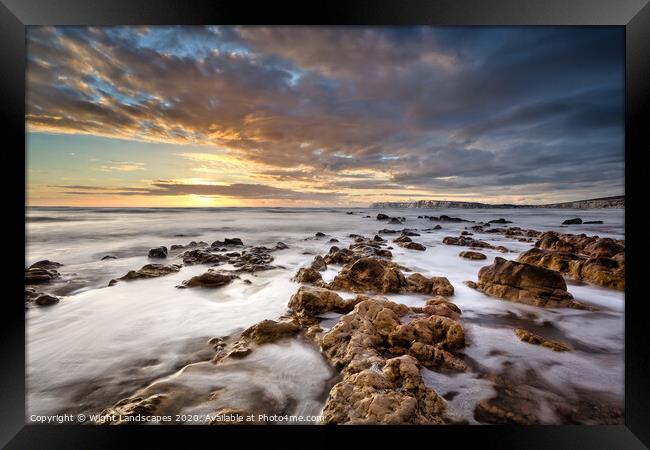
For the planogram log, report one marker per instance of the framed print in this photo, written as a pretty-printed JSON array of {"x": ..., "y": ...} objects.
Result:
[{"x": 404, "y": 217}]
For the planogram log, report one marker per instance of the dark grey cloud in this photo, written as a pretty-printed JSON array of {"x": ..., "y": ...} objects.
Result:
[{"x": 429, "y": 108}]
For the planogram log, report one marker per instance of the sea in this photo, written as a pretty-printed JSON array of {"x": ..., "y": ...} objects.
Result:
[{"x": 100, "y": 344}]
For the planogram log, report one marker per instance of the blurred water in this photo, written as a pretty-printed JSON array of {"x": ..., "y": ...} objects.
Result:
[{"x": 96, "y": 335}]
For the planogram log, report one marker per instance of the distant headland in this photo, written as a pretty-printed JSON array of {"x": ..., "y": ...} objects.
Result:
[{"x": 594, "y": 203}]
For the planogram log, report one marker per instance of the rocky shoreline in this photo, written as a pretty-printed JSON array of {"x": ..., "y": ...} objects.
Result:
[{"x": 379, "y": 347}]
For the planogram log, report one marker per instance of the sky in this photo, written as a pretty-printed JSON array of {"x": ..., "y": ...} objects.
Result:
[{"x": 323, "y": 116}]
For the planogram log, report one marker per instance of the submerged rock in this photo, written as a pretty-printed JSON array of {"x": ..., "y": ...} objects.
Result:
[
  {"x": 38, "y": 275},
  {"x": 531, "y": 338},
  {"x": 576, "y": 221},
  {"x": 151, "y": 271},
  {"x": 466, "y": 241}
]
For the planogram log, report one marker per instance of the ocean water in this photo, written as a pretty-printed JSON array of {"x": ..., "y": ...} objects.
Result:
[{"x": 101, "y": 344}]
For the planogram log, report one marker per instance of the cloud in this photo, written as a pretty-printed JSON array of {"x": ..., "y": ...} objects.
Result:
[
  {"x": 121, "y": 166},
  {"x": 170, "y": 187},
  {"x": 420, "y": 108}
]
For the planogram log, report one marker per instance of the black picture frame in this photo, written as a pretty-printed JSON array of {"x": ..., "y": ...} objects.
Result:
[{"x": 634, "y": 15}]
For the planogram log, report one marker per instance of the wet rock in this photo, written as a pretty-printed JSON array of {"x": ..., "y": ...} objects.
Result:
[
  {"x": 210, "y": 279},
  {"x": 602, "y": 271},
  {"x": 605, "y": 272},
  {"x": 420, "y": 284},
  {"x": 270, "y": 331},
  {"x": 381, "y": 216},
  {"x": 320, "y": 234},
  {"x": 387, "y": 231},
  {"x": 202, "y": 256},
  {"x": 501, "y": 220},
  {"x": 313, "y": 301},
  {"x": 576, "y": 221},
  {"x": 551, "y": 241},
  {"x": 402, "y": 239},
  {"x": 394, "y": 395},
  {"x": 444, "y": 218},
  {"x": 439, "y": 306},
  {"x": 369, "y": 275},
  {"x": 281, "y": 246},
  {"x": 603, "y": 248},
  {"x": 472, "y": 255},
  {"x": 471, "y": 284},
  {"x": 525, "y": 283},
  {"x": 466, "y": 241},
  {"x": 531, "y": 338},
  {"x": 308, "y": 275},
  {"x": 151, "y": 271},
  {"x": 561, "y": 261},
  {"x": 40, "y": 298},
  {"x": 158, "y": 252},
  {"x": 319, "y": 264},
  {"x": 37, "y": 275},
  {"x": 362, "y": 248},
  {"x": 46, "y": 264},
  {"x": 109, "y": 257},
  {"x": 228, "y": 242},
  {"x": 593, "y": 222},
  {"x": 413, "y": 246},
  {"x": 407, "y": 232},
  {"x": 395, "y": 220},
  {"x": 46, "y": 300}
]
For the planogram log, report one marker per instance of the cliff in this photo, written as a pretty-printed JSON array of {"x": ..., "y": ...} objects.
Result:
[{"x": 595, "y": 203}]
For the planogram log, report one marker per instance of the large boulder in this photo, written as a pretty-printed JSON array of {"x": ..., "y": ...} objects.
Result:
[
  {"x": 607, "y": 272},
  {"x": 524, "y": 283}
]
